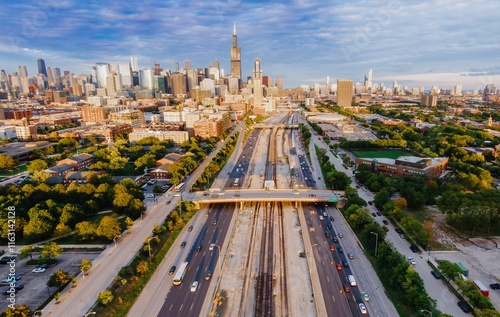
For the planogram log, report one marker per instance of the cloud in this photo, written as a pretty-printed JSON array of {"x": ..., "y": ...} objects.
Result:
[{"x": 297, "y": 39}]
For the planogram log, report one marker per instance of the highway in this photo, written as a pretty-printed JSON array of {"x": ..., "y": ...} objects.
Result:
[{"x": 180, "y": 300}]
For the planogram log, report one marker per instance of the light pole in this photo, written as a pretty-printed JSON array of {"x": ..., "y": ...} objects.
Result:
[
  {"x": 149, "y": 246},
  {"x": 426, "y": 311},
  {"x": 88, "y": 314},
  {"x": 376, "y": 242},
  {"x": 114, "y": 239},
  {"x": 38, "y": 312}
]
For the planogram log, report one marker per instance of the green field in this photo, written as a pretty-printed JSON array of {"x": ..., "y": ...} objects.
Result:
[{"x": 390, "y": 154}]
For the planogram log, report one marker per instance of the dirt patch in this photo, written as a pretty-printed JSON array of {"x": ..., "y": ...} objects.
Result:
[{"x": 483, "y": 243}]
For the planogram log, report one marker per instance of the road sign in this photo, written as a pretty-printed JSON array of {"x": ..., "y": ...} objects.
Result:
[{"x": 332, "y": 200}]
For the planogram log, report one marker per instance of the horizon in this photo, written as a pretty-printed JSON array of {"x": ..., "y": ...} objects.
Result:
[{"x": 302, "y": 41}]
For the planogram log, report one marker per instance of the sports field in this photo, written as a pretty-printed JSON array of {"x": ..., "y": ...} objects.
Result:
[{"x": 390, "y": 154}]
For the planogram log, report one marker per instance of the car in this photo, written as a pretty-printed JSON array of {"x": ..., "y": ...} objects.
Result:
[
  {"x": 370, "y": 203},
  {"x": 172, "y": 269},
  {"x": 495, "y": 286},
  {"x": 208, "y": 275},
  {"x": 385, "y": 222},
  {"x": 436, "y": 274},
  {"x": 150, "y": 196},
  {"x": 212, "y": 246},
  {"x": 345, "y": 264},
  {"x": 340, "y": 250},
  {"x": 339, "y": 267},
  {"x": 321, "y": 217},
  {"x": 207, "y": 213},
  {"x": 350, "y": 255},
  {"x": 194, "y": 286},
  {"x": 8, "y": 291},
  {"x": 38, "y": 270},
  {"x": 332, "y": 248},
  {"x": 168, "y": 202},
  {"x": 399, "y": 230},
  {"x": 341, "y": 235},
  {"x": 215, "y": 222},
  {"x": 415, "y": 249},
  {"x": 362, "y": 308},
  {"x": 402, "y": 236},
  {"x": 335, "y": 240},
  {"x": 464, "y": 306},
  {"x": 411, "y": 260},
  {"x": 198, "y": 248},
  {"x": 374, "y": 214},
  {"x": 190, "y": 228},
  {"x": 329, "y": 226},
  {"x": 13, "y": 277},
  {"x": 183, "y": 244},
  {"x": 385, "y": 228},
  {"x": 365, "y": 296},
  {"x": 327, "y": 235},
  {"x": 325, "y": 214},
  {"x": 331, "y": 218},
  {"x": 346, "y": 288}
]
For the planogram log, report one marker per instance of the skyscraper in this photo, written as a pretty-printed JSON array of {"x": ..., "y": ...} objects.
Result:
[
  {"x": 257, "y": 83},
  {"x": 41, "y": 67},
  {"x": 257, "y": 72},
  {"x": 344, "y": 92},
  {"x": 368, "y": 80},
  {"x": 102, "y": 72},
  {"x": 134, "y": 63},
  {"x": 187, "y": 65},
  {"x": 235, "y": 56},
  {"x": 280, "y": 82}
]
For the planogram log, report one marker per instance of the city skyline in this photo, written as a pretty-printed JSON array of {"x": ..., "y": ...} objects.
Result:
[{"x": 303, "y": 41}]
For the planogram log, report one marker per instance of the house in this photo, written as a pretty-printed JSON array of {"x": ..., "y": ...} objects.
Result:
[
  {"x": 78, "y": 161},
  {"x": 59, "y": 170},
  {"x": 161, "y": 172}
]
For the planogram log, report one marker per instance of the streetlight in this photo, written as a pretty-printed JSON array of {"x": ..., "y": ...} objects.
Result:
[
  {"x": 426, "y": 311},
  {"x": 88, "y": 314},
  {"x": 38, "y": 311},
  {"x": 149, "y": 246},
  {"x": 114, "y": 239},
  {"x": 376, "y": 242}
]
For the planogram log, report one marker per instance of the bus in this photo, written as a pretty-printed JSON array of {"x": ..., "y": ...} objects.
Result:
[
  {"x": 482, "y": 288},
  {"x": 236, "y": 182},
  {"x": 462, "y": 268},
  {"x": 179, "y": 187},
  {"x": 179, "y": 276}
]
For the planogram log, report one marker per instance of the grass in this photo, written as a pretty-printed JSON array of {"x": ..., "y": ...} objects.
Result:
[
  {"x": 390, "y": 154},
  {"x": 420, "y": 215},
  {"x": 19, "y": 169}
]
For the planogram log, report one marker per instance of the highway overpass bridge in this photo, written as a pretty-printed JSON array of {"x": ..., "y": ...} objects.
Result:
[
  {"x": 272, "y": 126},
  {"x": 261, "y": 195}
]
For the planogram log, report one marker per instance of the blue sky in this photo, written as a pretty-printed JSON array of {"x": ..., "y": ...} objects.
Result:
[{"x": 443, "y": 42}]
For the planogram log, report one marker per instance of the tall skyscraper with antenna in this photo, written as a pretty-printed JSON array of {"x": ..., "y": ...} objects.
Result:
[
  {"x": 41, "y": 67},
  {"x": 235, "y": 56},
  {"x": 134, "y": 63}
]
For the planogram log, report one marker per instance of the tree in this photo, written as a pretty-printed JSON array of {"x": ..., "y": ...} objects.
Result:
[
  {"x": 85, "y": 266},
  {"x": 27, "y": 251},
  {"x": 17, "y": 311},
  {"x": 105, "y": 297},
  {"x": 58, "y": 279},
  {"x": 381, "y": 198},
  {"x": 62, "y": 230},
  {"x": 129, "y": 223},
  {"x": 449, "y": 270},
  {"x": 86, "y": 231},
  {"x": 37, "y": 166},
  {"x": 108, "y": 228},
  {"x": 6, "y": 162},
  {"x": 142, "y": 268},
  {"x": 37, "y": 228},
  {"x": 401, "y": 203},
  {"x": 50, "y": 250},
  {"x": 414, "y": 230}
]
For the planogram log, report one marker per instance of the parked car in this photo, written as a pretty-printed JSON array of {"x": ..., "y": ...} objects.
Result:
[
  {"x": 411, "y": 260},
  {"x": 495, "y": 286},
  {"x": 415, "y": 249},
  {"x": 40, "y": 269},
  {"x": 464, "y": 306},
  {"x": 385, "y": 222}
]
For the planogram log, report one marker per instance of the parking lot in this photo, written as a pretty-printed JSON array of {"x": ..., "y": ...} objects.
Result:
[{"x": 35, "y": 290}]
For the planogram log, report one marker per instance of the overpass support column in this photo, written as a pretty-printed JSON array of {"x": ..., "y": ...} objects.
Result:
[
  {"x": 241, "y": 205},
  {"x": 296, "y": 205}
]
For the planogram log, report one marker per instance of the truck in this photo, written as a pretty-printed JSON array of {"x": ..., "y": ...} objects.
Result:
[
  {"x": 464, "y": 270},
  {"x": 482, "y": 288}
]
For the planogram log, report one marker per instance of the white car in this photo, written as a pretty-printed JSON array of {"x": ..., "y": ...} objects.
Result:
[
  {"x": 38, "y": 270},
  {"x": 194, "y": 286},
  {"x": 211, "y": 247},
  {"x": 362, "y": 308},
  {"x": 411, "y": 260},
  {"x": 150, "y": 196}
]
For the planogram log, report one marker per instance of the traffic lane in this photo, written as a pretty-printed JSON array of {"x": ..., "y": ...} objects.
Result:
[
  {"x": 336, "y": 305},
  {"x": 180, "y": 297}
]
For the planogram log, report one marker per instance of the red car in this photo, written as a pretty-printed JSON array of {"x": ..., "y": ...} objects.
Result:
[
  {"x": 332, "y": 248},
  {"x": 339, "y": 267}
]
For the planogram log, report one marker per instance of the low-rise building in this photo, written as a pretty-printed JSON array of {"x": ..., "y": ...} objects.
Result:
[
  {"x": 406, "y": 166},
  {"x": 178, "y": 137},
  {"x": 59, "y": 170},
  {"x": 78, "y": 161}
]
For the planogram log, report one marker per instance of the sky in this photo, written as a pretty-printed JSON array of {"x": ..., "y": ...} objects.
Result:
[{"x": 417, "y": 43}]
